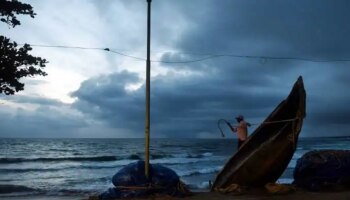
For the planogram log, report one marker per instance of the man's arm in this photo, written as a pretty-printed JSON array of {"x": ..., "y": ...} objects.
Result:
[{"x": 234, "y": 129}]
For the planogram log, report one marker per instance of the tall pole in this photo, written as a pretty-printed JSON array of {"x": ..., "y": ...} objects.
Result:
[{"x": 148, "y": 88}]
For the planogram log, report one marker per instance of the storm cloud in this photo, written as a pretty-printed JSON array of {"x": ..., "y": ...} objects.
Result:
[{"x": 240, "y": 37}]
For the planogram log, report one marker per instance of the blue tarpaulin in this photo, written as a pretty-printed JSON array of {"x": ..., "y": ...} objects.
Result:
[
  {"x": 322, "y": 168},
  {"x": 131, "y": 182}
]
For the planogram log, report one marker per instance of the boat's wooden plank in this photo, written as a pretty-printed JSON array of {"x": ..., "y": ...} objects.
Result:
[{"x": 267, "y": 152}]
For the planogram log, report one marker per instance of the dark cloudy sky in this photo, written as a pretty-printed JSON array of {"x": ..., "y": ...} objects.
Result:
[{"x": 93, "y": 93}]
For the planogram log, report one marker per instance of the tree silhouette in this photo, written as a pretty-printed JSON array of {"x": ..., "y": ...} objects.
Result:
[{"x": 15, "y": 62}]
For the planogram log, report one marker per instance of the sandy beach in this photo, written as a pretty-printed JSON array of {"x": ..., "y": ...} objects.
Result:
[
  {"x": 345, "y": 195},
  {"x": 299, "y": 195}
]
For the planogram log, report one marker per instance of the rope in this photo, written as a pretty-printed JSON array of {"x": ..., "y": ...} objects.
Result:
[
  {"x": 274, "y": 188},
  {"x": 221, "y": 120},
  {"x": 279, "y": 121},
  {"x": 293, "y": 135},
  {"x": 231, "y": 188},
  {"x": 272, "y": 122}
]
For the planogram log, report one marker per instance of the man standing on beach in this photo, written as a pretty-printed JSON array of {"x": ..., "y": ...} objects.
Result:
[{"x": 241, "y": 129}]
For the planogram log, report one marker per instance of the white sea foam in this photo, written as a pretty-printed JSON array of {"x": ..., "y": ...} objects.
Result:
[
  {"x": 200, "y": 171},
  {"x": 186, "y": 160},
  {"x": 285, "y": 180},
  {"x": 203, "y": 185},
  {"x": 207, "y": 154}
]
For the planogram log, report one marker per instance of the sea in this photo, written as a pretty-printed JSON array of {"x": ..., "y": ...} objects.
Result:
[{"x": 68, "y": 167}]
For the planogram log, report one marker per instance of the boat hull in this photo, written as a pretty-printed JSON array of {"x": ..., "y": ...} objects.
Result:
[{"x": 268, "y": 150}]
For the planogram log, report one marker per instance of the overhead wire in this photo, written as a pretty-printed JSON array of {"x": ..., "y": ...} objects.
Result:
[
  {"x": 122, "y": 54},
  {"x": 208, "y": 55},
  {"x": 62, "y": 46}
]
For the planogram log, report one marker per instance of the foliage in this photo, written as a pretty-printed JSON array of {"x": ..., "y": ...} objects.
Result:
[
  {"x": 15, "y": 62},
  {"x": 8, "y": 9}
]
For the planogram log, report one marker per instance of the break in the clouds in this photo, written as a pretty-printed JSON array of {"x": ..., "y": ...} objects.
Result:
[{"x": 99, "y": 94}]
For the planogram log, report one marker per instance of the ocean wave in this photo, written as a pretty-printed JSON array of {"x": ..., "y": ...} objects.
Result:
[
  {"x": 199, "y": 186},
  {"x": 20, "y": 170},
  {"x": 152, "y": 156},
  {"x": 53, "y": 168},
  {"x": 134, "y": 157},
  {"x": 158, "y": 156},
  {"x": 165, "y": 157},
  {"x": 173, "y": 145},
  {"x": 15, "y": 188},
  {"x": 181, "y": 160},
  {"x": 200, "y": 171},
  {"x": 91, "y": 180},
  {"x": 95, "y": 158},
  {"x": 206, "y": 154}
]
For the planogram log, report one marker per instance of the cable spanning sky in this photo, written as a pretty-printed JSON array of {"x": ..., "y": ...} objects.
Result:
[
  {"x": 208, "y": 56},
  {"x": 231, "y": 57}
]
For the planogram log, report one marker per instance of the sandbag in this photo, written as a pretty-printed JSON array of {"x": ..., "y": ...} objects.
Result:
[
  {"x": 131, "y": 182},
  {"x": 319, "y": 169}
]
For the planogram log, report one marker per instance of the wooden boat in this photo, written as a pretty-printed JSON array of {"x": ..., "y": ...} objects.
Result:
[{"x": 268, "y": 150}]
